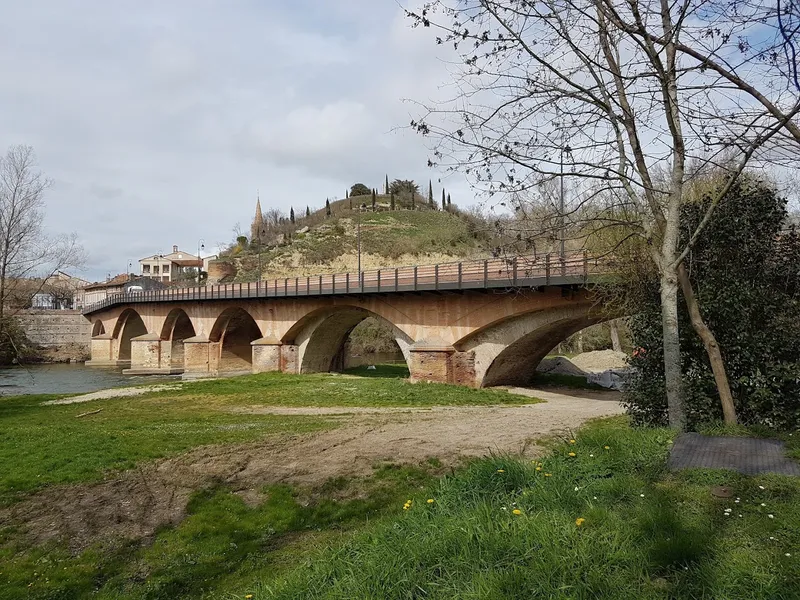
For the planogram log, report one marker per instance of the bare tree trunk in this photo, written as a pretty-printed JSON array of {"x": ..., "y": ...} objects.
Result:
[
  {"x": 580, "y": 342},
  {"x": 615, "y": 345},
  {"x": 711, "y": 346},
  {"x": 672, "y": 349}
]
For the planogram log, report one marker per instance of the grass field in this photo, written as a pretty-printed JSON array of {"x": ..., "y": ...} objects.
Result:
[
  {"x": 42, "y": 445},
  {"x": 599, "y": 517}
]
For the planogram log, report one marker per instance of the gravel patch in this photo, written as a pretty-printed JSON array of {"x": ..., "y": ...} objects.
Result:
[{"x": 116, "y": 393}]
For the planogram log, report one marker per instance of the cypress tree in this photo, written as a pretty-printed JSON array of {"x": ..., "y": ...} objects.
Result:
[
  {"x": 373, "y": 200},
  {"x": 327, "y": 208},
  {"x": 444, "y": 204},
  {"x": 308, "y": 211},
  {"x": 386, "y": 185},
  {"x": 413, "y": 203},
  {"x": 391, "y": 200},
  {"x": 291, "y": 215},
  {"x": 448, "y": 199},
  {"x": 430, "y": 193}
]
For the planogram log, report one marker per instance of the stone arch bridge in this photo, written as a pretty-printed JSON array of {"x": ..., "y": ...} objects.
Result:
[{"x": 478, "y": 323}]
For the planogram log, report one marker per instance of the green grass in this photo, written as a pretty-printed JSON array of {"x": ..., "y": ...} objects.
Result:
[
  {"x": 42, "y": 445},
  {"x": 648, "y": 533},
  {"x": 220, "y": 544},
  {"x": 384, "y": 389}
]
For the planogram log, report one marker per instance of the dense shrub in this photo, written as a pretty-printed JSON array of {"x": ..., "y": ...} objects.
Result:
[{"x": 746, "y": 273}]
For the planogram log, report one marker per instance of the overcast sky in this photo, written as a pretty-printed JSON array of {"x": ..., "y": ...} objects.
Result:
[{"x": 158, "y": 120}]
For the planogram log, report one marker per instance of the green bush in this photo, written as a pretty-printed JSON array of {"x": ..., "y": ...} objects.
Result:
[{"x": 745, "y": 273}]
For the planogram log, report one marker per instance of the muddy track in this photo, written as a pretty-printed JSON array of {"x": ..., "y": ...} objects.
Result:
[{"x": 134, "y": 504}]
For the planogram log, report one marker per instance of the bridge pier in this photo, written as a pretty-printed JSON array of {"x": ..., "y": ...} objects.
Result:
[
  {"x": 431, "y": 360},
  {"x": 150, "y": 355},
  {"x": 266, "y": 354},
  {"x": 102, "y": 349}
]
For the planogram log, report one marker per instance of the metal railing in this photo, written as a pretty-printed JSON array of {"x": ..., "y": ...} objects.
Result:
[{"x": 510, "y": 272}]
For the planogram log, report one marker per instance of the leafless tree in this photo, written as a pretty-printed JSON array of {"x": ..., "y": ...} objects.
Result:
[
  {"x": 26, "y": 252},
  {"x": 622, "y": 96}
]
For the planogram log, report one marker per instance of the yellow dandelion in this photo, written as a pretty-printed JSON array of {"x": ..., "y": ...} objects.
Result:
[
  {"x": 572, "y": 441},
  {"x": 501, "y": 470},
  {"x": 548, "y": 474},
  {"x": 248, "y": 596},
  {"x": 517, "y": 511},
  {"x": 580, "y": 521},
  {"x": 538, "y": 468},
  {"x": 607, "y": 447},
  {"x": 572, "y": 454},
  {"x": 431, "y": 500}
]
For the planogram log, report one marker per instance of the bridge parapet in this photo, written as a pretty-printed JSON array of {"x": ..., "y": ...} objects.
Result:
[{"x": 509, "y": 272}]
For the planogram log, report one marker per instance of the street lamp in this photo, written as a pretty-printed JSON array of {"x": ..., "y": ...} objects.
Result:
[
  {"x": 563, "y": 254},
  {"x": 201, "y": 245},
  {"x": 358, "y": 237},
  {"x": 130, "y": 273}
]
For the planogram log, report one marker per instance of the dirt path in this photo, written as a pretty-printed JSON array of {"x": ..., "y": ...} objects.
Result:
[{"x": 134, "y": 504}]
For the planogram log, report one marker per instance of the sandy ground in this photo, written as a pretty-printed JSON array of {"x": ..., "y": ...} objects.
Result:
[
  {"x": 116, "y": 393},
  {"x": 135, "y": 503}
]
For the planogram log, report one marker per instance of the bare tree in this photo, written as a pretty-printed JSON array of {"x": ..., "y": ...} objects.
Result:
[
  {"x": 26, "y": 252},
  {"x": 622, "y": 96}
]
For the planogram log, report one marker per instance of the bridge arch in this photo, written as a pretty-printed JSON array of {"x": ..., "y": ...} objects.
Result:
[
  {"x": 128, "y": 326},
  {"x": 177, "y": 327},
  {"x": 507, "y": 352},
  {"x": 234, "y": 331},
  {"x": 98, "y": 328},
  {"x": 320, "y": 337}
]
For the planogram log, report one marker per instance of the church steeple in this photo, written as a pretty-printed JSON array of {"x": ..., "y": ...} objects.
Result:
[{"x": 258, "y": 221}]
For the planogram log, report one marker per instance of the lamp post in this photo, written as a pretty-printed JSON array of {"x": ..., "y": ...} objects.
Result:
[
  {"x": 130, "y": 266},
  {"x": 201, "y": 245},
  {"x": 562, "y": 253},
  {"x": 358, "y": 237}
]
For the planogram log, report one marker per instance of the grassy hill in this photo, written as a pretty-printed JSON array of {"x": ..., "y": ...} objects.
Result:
[{"x": 321, "y": 244}]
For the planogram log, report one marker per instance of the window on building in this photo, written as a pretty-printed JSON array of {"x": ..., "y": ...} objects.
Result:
[
  {"x": 155, "y": 269},
  {"x": 145, "y": 268},
  {"x": 165, "y": 270}
]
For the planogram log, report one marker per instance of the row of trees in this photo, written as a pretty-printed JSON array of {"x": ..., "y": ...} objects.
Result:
[{"x": 632, "y": 101}]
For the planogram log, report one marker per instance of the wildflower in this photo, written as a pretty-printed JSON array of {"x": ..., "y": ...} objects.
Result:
[
  {"x": 641, "y": 495},
  {"x": 538, "y": 468},
  {"x": 517, "y": 511},
  {"x": 591, "y": 456},
  {"x": 728, "y": 509},
  {"x": 501, "y": 470},
  {"x": 607, "y": 447},
  {"x": 761, "y": 487},
  {"x": 248, "y": 596},
  {"x": 762, "y": 504},
  {"x": 788, "y": 554},
  {"x": 577, "y": 488},
  {"x": 579, "y": 521},
  {"x": 594, "y": 497},
  {"x": 548, "y": 474},
  {"x": 572, "y": 441},
  {"x": 431, "y": 501},
  {"x": 407, "y": 505},
  {"x": 572, "y": 454},
  {"x": 771, "y": 516},
  {"x": 772, "y": 538}
]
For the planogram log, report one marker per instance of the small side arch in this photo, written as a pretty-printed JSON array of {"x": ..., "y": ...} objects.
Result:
[
  {"x": 128, "y": 326},
  {"x": 321, "y": 335},
  {"x": 234, "y": 331},
  {"x": 98, "y": 328}
]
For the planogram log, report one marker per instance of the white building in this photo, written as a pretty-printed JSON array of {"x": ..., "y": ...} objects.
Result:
[{"x": 170, "y": 267}]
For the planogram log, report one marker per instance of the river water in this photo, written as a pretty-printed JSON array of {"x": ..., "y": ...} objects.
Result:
[{"x": 67, "y": 379}]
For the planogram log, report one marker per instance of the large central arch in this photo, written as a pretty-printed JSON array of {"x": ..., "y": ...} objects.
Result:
[
  {"x": 507, "y": 352},
  {"x": 129, "y": 325},
  {"x": 235, "y": 330},
  {"x": 321, "y": 335}
]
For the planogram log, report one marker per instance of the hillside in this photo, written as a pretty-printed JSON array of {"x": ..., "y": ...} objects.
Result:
[{"x": 318, "y": 244}]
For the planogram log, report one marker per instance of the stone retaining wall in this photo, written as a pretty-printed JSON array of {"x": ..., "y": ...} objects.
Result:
[{"x": 53, "y": 328}]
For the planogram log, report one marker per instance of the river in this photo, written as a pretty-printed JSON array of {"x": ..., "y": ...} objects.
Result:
[{"x": 67, "y": 379}]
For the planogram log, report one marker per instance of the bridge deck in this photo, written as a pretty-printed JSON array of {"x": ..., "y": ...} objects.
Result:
[{"x": 512, "y": 272}]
